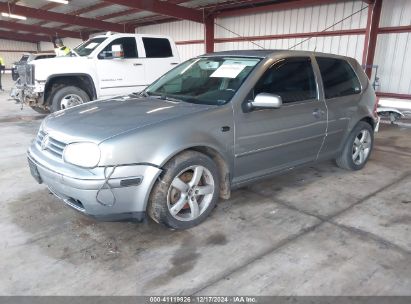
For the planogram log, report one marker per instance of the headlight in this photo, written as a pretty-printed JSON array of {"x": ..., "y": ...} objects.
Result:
[{"x": 83, "y": 154}]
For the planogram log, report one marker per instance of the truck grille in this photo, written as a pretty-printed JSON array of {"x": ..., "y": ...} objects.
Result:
[
  {"x": 49, "y": 144},
  {"x": 26, "y": 73}
]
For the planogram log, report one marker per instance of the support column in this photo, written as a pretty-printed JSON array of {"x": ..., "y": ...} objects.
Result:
[
  {"x": 371, "y": 34},
  {"x": 209, "y": 34}
]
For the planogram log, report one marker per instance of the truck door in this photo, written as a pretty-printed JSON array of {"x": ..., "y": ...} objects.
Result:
[
  {"x": 161, "y": 57},
  {"x": 120, "y": 76}
]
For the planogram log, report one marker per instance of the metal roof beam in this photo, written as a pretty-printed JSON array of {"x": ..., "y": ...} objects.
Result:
[
  {"x": 273, "y": 7},
  {"x": 163, "y": 8},
  {"x": 39, "y": 29},
  {"x": 63, "y": 18}
]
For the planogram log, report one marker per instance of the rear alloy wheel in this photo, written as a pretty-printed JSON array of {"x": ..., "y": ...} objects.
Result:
[
  {"x": 361, "y": 147},
  {"x": 186, "y": 192},
  {"x": 357, "y": 148}
]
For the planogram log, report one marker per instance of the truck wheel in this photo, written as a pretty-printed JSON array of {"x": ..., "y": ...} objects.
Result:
[
  {"x": 357, "y": 148},
  {"x": 186, "y": 192},
  {"x": 67, "y": 97}
]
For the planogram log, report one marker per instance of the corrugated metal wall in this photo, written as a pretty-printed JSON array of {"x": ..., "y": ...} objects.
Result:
[
  {"x": 304, "y": 20},
  {"x": 393, "y": 54},
  {"x": 11, "y": 51},
  {"x": 69, "y": 42}
]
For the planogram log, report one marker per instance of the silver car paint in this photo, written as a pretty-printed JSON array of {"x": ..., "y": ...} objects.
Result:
[{"x": 145, "y": 133}]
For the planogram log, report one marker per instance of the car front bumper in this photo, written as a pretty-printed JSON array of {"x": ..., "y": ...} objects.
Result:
[{"x": 123, "y": 195}]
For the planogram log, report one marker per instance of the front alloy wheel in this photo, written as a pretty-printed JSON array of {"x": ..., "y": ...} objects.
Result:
[
  {"x": 186, "y": 192},
  {"x": 190, "y": 193}
]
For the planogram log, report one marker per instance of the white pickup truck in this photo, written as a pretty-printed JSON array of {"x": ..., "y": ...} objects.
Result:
[{"x": 104, "y": 66}]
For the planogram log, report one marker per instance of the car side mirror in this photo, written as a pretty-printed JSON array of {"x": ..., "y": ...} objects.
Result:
[{"x": 265, "y": 101}]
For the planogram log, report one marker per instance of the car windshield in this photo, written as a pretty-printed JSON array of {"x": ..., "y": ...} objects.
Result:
[
  {"x": 89, "y": 46},
  {"x": 206, "y": 80}
]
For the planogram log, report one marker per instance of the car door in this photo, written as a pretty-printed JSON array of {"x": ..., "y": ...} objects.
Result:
[
  {"x": 342, "y": 95},
  {"x": 118, "y": 76},
  {"x": 269, "y": 140},
  {"x": 159, "y": 57}
]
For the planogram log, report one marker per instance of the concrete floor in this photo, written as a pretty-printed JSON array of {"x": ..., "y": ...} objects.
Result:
[{"x": 317, "y": 231}]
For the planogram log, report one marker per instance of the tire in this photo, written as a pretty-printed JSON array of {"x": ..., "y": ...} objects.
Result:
[
  {"x": 60, "y": 98},
  {"x": 351, "y": 157},
  {"x": 40, "y": 110},
  {"x": 165, "y": 195}
]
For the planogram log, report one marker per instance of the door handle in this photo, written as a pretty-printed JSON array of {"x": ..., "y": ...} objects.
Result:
[
  {"x": 174, "y": 63},
  {"x": 317, "y": 113},
  {"x": 136, "y": 64}
]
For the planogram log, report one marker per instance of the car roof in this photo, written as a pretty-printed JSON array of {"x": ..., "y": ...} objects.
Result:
[{"x": 264, "y": 53}]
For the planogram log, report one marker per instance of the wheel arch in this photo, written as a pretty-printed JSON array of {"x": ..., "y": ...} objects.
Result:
[
  {"x": 368, "y": 120},
  {"x": 81, "y": 80},
  {"x": 220, "y": 161}
]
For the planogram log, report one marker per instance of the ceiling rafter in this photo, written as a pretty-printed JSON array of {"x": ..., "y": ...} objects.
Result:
[
  {"x": 63, "y": 18},
  {"x": 39, "y": 29},
  {"x": 163, "y": 8}
]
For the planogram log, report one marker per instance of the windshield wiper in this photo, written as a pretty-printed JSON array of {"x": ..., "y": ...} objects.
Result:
[{"x": 163, "y": 96}]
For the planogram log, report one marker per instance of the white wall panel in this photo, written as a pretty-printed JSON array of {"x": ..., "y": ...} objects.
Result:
[
  {"x": 188, "y": 51},
  {"x": 19, "y": 48},
  {"x": 351, "y": 46},
  {"x": 395, "y": 13},
  {"x": 393, "y": 57},
  {"x": 309, "y": 19},
  {"x": 178, "y": 30},
  {"x": 69, "y": 42}
]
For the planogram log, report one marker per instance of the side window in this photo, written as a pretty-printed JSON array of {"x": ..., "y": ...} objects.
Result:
[
  {"x": 157, "y": 47},
  {"x": 338, "y": 77},
  {"x": 129, "y": 47},
  {"x": 292, "y": 78}
]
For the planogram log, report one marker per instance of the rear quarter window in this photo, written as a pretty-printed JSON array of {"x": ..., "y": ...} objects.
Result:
[
  {"x": 339, "y": 78},
  {"x": 157, "y": 47}
]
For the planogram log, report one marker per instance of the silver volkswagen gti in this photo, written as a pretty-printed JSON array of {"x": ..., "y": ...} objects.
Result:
[{"x": 214, "y": 123}]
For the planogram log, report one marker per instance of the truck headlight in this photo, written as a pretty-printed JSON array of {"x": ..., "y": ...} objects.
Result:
[{"x": 84, "y": 154}]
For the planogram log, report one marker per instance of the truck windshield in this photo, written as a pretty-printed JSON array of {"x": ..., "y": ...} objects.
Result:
[
  {"x": 89, "y": 46},
  {"x": 205, "y": 80}
]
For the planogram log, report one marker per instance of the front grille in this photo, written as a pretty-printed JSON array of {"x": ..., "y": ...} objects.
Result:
[
  {"x": 26, "y": 73},
  {"x": 49, "y": 144}
]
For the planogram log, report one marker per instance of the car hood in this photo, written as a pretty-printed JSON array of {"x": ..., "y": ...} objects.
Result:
[{"x": 102, "y": 119}]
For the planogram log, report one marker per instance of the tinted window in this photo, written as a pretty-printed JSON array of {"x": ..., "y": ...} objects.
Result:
[
  {"x": 338, "y": 77},
  {"x": 128, "y": 44},
  {"x": 44, "y": 57},
  {"x": 293, "y": 79},
  {"x": 157, "y": 47}
]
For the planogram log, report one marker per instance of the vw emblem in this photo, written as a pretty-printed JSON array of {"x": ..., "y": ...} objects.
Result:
[{"x": 45, "y": 142}]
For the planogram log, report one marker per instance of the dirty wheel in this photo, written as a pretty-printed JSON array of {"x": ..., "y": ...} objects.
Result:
[
  {"x": 67, "y": 97},
  {"x": 186, "y": 192},
  {"x": 357, "y": 149}
]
